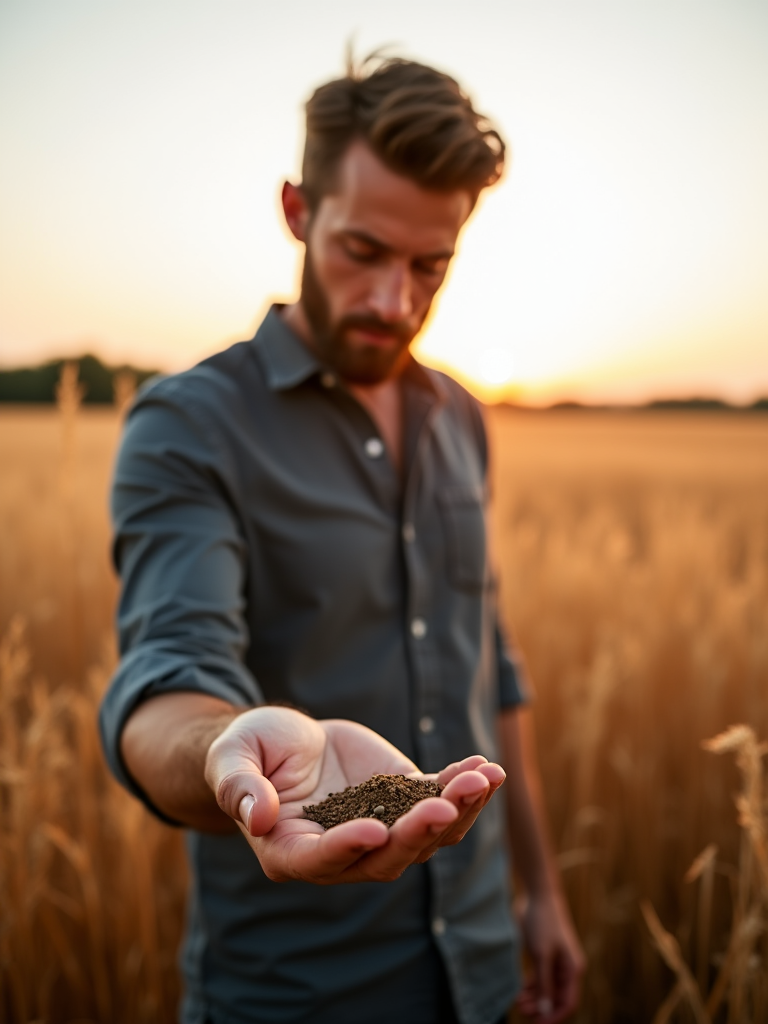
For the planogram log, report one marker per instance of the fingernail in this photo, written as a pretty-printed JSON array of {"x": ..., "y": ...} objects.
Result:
[
  {"x": 244, "y": 810},
  {"x": 545, "y": 1006}
]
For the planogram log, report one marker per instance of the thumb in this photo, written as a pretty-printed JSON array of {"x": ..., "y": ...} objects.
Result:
[
  {"x": 241, "y": 791},
  {"x": 258, "y": 808}
]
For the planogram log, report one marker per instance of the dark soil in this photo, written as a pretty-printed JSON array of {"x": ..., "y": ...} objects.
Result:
[{"x": 385, "y": 797}]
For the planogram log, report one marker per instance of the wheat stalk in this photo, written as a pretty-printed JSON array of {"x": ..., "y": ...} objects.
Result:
[
  {"x": 748, "y": 924},
  {"x": 124, "y": 390},
  {"x": 703, "y": 867},
  {"x": 668, "y": 946},
  {"x": 69, "y": 398}
]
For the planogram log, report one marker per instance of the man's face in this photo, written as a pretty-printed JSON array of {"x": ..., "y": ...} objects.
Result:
[{"x": 378, "y": 249}]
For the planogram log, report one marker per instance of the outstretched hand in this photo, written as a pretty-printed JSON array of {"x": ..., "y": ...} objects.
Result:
[{"x": 271, "y": 761}]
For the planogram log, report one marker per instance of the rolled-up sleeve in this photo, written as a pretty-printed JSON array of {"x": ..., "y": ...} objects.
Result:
[
  {"x": 514, "y": 689},
  {"x": 181, "y": 555}
]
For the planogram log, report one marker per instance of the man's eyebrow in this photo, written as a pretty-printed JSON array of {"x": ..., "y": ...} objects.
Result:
[{"x": 363, "y": 236}]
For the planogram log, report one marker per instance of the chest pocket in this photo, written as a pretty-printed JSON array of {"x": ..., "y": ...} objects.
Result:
[{"x": 463, "y": 518}]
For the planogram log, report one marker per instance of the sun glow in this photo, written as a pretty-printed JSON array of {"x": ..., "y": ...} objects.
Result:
[
  {"x": 495, "y": 366},
  {"x": 623, "y": 255}
]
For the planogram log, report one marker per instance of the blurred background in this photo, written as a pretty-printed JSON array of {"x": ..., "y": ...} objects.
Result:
[
  {"x": 624, "y": 257},
  {"x": 609, "y": 302}
]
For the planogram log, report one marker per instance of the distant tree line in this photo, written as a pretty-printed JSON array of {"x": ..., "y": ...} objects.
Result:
[
  {"x": 38, "y": 384},
  {"x": 695, "y": 404},
  {"x": 707, "y": 405}
]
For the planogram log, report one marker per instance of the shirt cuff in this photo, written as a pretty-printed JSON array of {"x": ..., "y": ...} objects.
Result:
[
  {"x": 148, "y": 673},
  {"x": 514, "y": 685}
]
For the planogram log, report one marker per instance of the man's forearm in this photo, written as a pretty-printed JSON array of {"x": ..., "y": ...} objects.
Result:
[
  {"x": 556, "y": 959},
  {"x": 164, "y": 745},
  {"x": 529, "y": 836}
]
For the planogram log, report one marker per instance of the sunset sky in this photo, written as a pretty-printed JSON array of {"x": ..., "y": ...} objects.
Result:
[{"x": 624, "y": 256}]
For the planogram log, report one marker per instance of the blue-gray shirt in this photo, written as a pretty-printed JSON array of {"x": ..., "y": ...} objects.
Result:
[{"x": 269, "y": 551}]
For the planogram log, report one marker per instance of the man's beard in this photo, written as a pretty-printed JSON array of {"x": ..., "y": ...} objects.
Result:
[{"x": 361, "y": 364}]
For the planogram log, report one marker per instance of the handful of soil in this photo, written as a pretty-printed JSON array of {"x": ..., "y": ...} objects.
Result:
[{"x": 385, "y": 797}]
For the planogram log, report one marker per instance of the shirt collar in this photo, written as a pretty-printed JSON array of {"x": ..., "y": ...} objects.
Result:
[
  {"x": 288, "y": 362},
  {"x": 424, "y": 380},
  {"x": 285, "y": 358}
]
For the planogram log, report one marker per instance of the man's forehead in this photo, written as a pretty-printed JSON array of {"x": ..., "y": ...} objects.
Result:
[{"x": 370, "y": 199}]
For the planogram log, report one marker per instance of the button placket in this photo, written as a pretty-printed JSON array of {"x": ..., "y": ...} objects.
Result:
[
  {"x": 427, "y": 693},
  {"x": 418, "y": 625}
]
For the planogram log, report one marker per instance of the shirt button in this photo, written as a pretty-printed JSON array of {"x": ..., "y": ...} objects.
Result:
[
  {"x": 328, "y": 380},
  {"x": 374, "y": 448},
  {"x": 418, "y": 628},
  {"x": 439, "y": 926},
  {"x": 409, "y": 533},
  {"x": 426, "y": 725}
]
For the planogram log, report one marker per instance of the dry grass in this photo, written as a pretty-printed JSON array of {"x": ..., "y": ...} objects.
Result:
[
  {"x": 91, "y": 888},
  {"x": 634, "y": 560},
  {"x": 634, "y": 564}
]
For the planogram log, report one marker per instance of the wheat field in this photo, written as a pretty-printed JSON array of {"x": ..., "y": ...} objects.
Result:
[{"x": 632, "y": 552}]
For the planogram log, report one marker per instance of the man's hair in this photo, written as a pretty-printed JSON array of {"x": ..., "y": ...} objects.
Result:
[{"x": 415, "y": 119}]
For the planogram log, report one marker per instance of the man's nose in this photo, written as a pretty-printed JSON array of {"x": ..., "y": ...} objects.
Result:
[{"x": 392, "y": 297}]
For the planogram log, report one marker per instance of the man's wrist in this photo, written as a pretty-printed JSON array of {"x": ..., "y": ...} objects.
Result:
[
  {"x": 164, "y": 745},
  {"x": 544, "y": 884}
]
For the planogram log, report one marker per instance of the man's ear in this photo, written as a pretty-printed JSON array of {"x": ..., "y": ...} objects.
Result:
[{"x": 295, "y": 210}]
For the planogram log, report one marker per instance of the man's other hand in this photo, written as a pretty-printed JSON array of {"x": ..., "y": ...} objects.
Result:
[
  {"x": 551, "y": 991},
  {"x": 271, "y": 761}
]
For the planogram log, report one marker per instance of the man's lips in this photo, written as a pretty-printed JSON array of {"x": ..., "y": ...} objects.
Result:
[
  {"x": 377, "y": 334},
  {"x": 369, "y": 336}
]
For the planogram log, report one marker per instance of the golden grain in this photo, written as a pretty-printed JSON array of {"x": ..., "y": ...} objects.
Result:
[{"x": 633, "y": 555}]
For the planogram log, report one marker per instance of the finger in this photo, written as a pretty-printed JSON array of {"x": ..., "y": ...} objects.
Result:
[
  {"x": 456, "y": 831},
  {"x": 321, "y": 858},
  {"x": 344, "y": 845},
  {"x": 561, "y": 1014},
  {"x": 528, "y": 1000},
  {"x": 409, "y": 837},
  {"x": 468, "y": 792},
  {"x": 567, "y": 982},
  {"x": 494, "y": 773},
  {"x": 467, "y": 765},
  {"x": 543, "y": 968},
  {"x": 464, "y": 789}
]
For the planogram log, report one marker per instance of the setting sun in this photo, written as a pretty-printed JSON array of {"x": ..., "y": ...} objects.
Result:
[{"x": 622, "y": 257}]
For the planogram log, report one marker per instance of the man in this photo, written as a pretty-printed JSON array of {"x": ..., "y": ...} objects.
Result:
[{"x": 300, "y": 525}]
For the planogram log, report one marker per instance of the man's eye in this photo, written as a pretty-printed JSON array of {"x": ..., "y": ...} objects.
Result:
[
  {"x": 432, "y": 268},
  {"x": 361, "y": 253}
]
